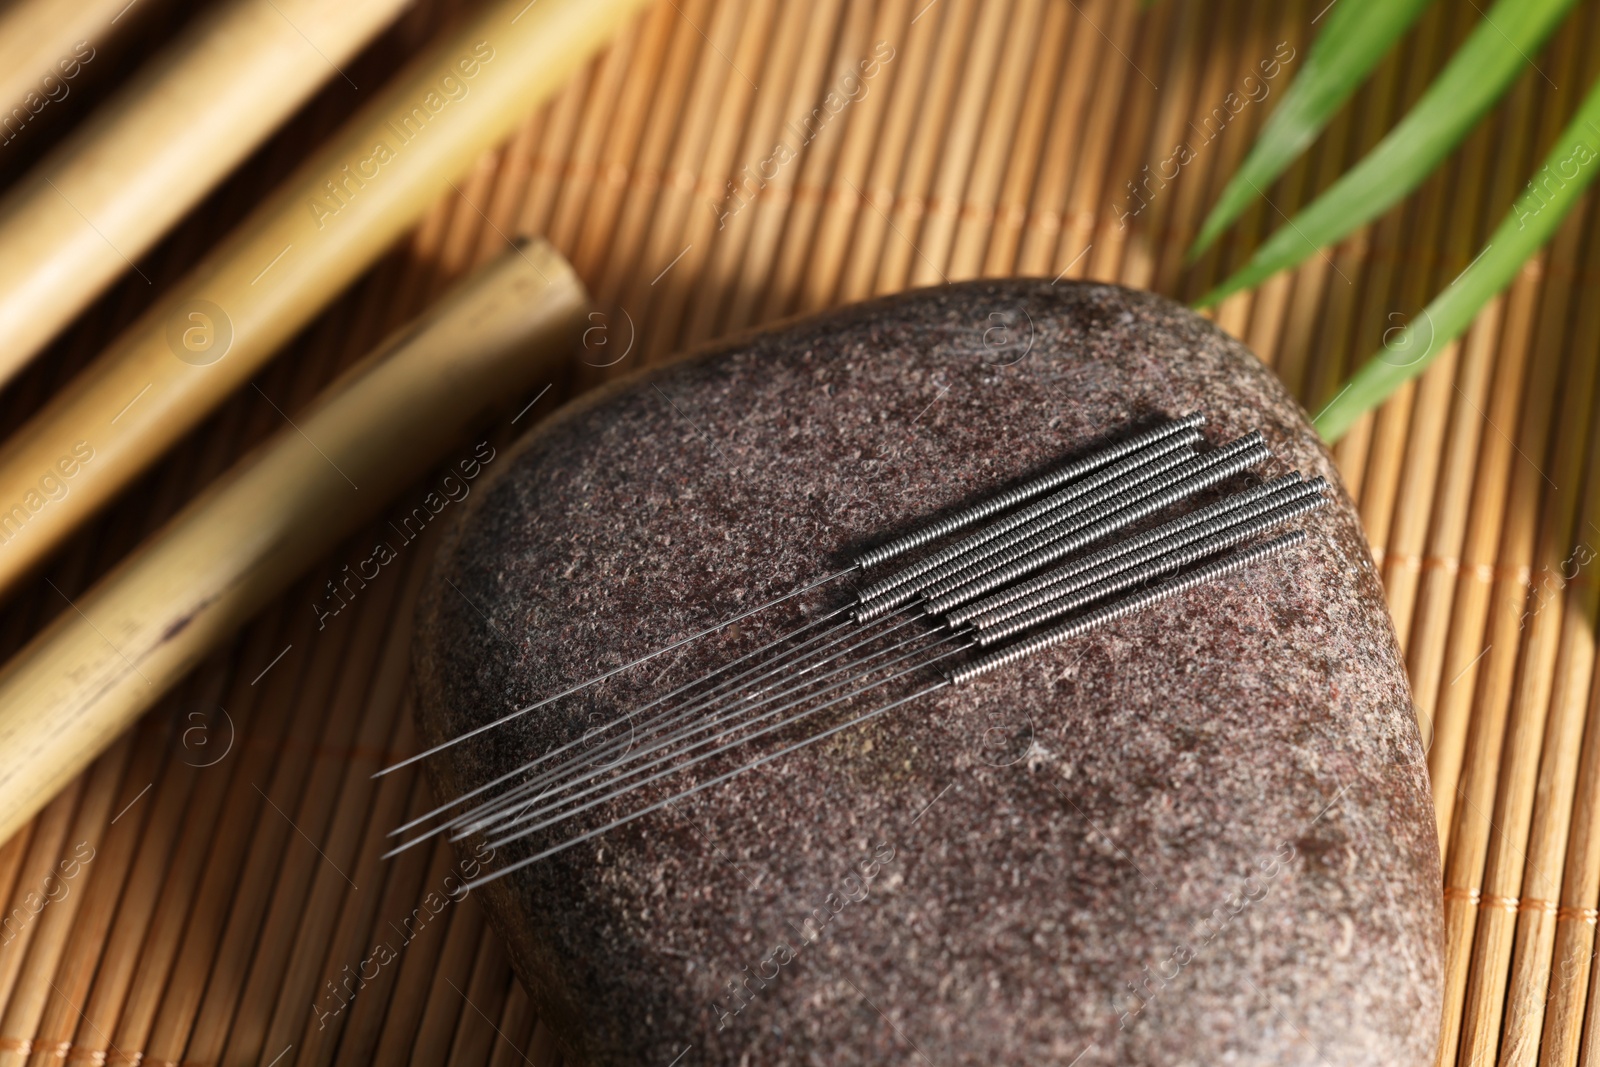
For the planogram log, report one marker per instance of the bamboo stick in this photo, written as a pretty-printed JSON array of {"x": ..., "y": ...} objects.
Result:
[
  {"x": 46, "y": 1004},
  {"x": 1380, "y": 292},
  {"x": 295, "y": 986},
  {"x": 1165, "y": 246},
  {"x": 144, "y": 939},
  {"x": 355, "y": 932},
  {"x": 412, "y": 876},
  {"x": 47, "y": 843},
  {"x": 1297, "y": 364},
  {"x": 100, "y": 199},
  {"x": 773, "y": 205},
  {"x": 484, "y": 995},
  {"x": 1147, "y": 40},
  {"x": 1236, "y": 43},
  {"x": 1438, "y": 548},
  {"x": 825, "y": 265},
  {"x": 515, "y": 170},
  {"x": 1497, "y": 687},
  {"x": 307, "y": 883},
  {"x": 1009, "y": 132},
  {"x": 184, "y": 933},
  {"x": 42, "y": 39},
  {"x": 1399, "y": 446},
  {"x": 50, "y": 928},
  {"x": 1183, "y": 79},
  {"x": 915, "y": 53},
  {"x": 690, "y": 213},
  {"x": 1269, "y": 308},
  {"x": 582, "y": 162},
  {"x": 959, "y": 136},
  {"x": 758, "y": 160},
  {"x": 221, "y": 559},
  {"x": 657, "y": 167},
  {"x": 425, "y": 1034},
  {"x": 1542, "y": 886},
  {"x": 1027, "y": 157},
  {"x": 1531, "y": 716},
  {"x": 1567, "y": 1033},
  {"x": 560, "y": 130},
  {"x": 1530, "y": 960},
  {"x": 1048, "y": 192},
  {"x": 628, "y": 141},
  {"x": 825, "y": 131},
  {"x": 323, "y": 226},
  {"x": 516, "y": 1032},
  {"x": 899, "y": 255},
  {"x": 1510, "y": 327},
  {"x": 1073, "y": 245}
]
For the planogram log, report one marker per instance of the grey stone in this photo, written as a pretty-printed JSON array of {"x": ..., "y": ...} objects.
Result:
[{"x": 1201, "y": 835}]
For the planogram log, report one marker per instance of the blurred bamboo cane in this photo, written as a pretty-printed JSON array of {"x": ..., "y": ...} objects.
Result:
[
  {"x": 43, "y": 47},
  {"x": 103, "y": 661},
  {"x": 323, "y": 226},
  {"x": 101, "y": 198}
]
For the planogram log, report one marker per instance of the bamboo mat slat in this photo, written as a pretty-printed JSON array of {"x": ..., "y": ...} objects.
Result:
[{"x": 214, "y": 882}]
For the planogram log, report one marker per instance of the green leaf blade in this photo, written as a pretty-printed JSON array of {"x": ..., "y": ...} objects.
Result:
[
  {"x": 1571, "y": 165},
  {"x": 1355, "y": 37},
  {"x": 1476, "y": 76}
]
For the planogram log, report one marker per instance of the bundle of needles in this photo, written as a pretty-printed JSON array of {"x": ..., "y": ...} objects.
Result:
[{"x": 1024, "y": 578}]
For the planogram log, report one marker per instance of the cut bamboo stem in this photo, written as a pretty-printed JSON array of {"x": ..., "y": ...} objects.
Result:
[
  {"x": 71, "y": 691},
  {"x": 322, "y": 227},
  {"x": 100, "y": 199},
  {"x": 44, "y": 46}
]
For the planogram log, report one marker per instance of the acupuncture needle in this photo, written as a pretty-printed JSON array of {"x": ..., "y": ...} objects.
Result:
[
  {"x": 1019, "y": 555},
  {"x": 948, "y": 606},
  {"x": 959, "y": 676},
  {"x": 992, "y": 631},
  {"x": 1136, "y": 571},
  {"x": 441, "y": 809},
  {"x": 759, "y": 670},
  {"x": 867, "y": 560},
  {"x": 551, "y": 781},
  {"x": 679, "y": 765},
  {"x": 1240, "y": 456},
  {"x": 1220, "y": 535},
  {"x": 594, "y": 759},
  {"x": 1052, "y": 585},
  {"x": 781, "y": 708},
  {"x": 739, "y": 706}
]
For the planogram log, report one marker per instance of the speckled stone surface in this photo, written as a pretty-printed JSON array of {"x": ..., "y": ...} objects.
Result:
[{"x": 1201, "y": 835}]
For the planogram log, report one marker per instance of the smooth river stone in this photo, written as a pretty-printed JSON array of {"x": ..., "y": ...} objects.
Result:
[{"x": 1201, "y": 835}]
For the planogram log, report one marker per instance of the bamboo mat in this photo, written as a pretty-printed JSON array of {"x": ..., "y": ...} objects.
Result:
[{"x": 200, "y": 894}]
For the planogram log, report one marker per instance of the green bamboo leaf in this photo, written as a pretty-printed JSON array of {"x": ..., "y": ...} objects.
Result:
[
  {"x": 1355, "y": 37},
  {"x": 1478, "y": 74},
  {"x": 1568, "y": 169}
]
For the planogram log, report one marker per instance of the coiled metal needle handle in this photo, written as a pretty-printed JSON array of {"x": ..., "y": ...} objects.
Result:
[
  {"x": 996, "y": 504},
  {"x": 1125, "y": 606}
]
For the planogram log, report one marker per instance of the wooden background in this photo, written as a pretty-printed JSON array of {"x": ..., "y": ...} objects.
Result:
[{"x": 219, "y": 863}]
